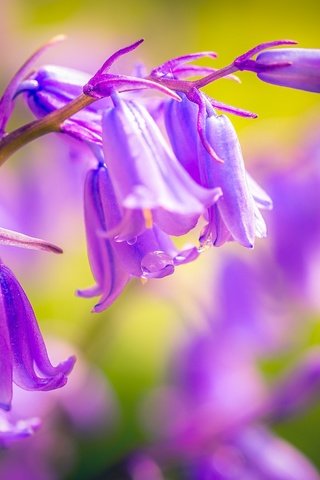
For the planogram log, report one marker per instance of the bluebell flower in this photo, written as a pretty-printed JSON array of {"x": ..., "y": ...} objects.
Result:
[
  {"x": 24, "y": 358},
  {"x": 113, "y": 261},
  {"x": 146, "y": 175},
  {"x": 110, "y": 277},
  {"x": 181, "y": 126},
  {"x": 235, "y": 216},
  {"x": 51, "y": 87},
  {"x": 295, "y": 68}
]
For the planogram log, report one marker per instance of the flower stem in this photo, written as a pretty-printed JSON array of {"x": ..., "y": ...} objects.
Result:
[
  {"x": 223, "y": 72},
  {"x": 13, "y": 141}
]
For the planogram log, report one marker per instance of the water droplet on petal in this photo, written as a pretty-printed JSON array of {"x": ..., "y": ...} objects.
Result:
[
  {"x": 157, "y": 264},
  {"x": 187, "y": 255},
  {"x": 132, "y": 241}
]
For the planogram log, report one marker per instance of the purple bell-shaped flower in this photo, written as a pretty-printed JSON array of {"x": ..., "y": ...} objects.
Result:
[
  {"x": 113, "y": 262},
  {"x": 23, "y": 359}
]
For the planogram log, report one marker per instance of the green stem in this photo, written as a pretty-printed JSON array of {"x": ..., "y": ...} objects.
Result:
[{"x": 50, "y": 123}]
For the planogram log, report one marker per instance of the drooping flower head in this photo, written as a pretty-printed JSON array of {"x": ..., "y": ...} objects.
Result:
[
  {"x": 110, "y": 277},
  {"x": 235, "y": 216},
  {"x": 24, "y": 358},
  {"x": 146, "y": 175},
  {"x": 113, "y": 261},
  {"x": 157, "y": 191},
  {"x": 52, "y": 87}
]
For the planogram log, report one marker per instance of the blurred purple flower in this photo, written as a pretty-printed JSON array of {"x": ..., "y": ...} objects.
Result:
[
  {"x": 114, "y": 262},
  {"x": 86, "y": 408},
  {"x": 11, "y": 431},
  {"x": 249, "y": 305},
  {"x": 255, "y": 453},
  {"x": 142, "y": 467},
  {"x": 215, "y": 390},
  {"x": 297, "y": 209},
  {"x": 8, "y": 96},
  {"x": 24, "y": 358},
  {"x": 211, "y": 422},
  {"x": 299, "y": 387}
]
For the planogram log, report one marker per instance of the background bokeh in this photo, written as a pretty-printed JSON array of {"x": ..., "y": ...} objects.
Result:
[{"x": 133, "y": 341}]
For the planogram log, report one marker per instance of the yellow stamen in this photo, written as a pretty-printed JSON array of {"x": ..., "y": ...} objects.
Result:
[{"x": 147, "y": 213}]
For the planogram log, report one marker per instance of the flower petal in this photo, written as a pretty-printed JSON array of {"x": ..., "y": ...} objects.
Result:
[
  {"x": 303, "y": 73},
  {"x": 102, "y": 213},
  {"x": 32, "y": 369},
  {"x": 236, "y": 206}
]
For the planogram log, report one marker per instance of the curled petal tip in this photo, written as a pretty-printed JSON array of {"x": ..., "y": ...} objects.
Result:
[
  {"x": 50, "y": 247},
  {"x": 290, "y": 42},
  {"x": 138, "y": 42},
  {"x": 97, "y": 308},
  {"x": 69, "y": 364},
  {"x": 16, "y": 239}
]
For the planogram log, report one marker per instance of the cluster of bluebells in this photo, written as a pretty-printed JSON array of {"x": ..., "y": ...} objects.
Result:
[
  {"x": 145, "y": 185},
  {"x": 145, "y": 188}
]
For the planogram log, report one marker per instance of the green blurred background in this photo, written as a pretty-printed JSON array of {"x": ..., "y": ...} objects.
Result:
[{"x": 132, "y": 340}]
